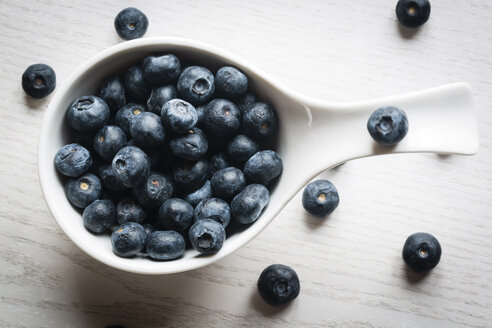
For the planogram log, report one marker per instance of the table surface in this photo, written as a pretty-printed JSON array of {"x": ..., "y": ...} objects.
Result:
[{"x": 349, "y": 263}]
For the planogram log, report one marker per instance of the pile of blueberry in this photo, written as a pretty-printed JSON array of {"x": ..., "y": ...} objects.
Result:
[{"x": 166, "y": 157}]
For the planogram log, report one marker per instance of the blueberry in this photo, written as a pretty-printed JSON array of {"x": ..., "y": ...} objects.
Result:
[
  {"x": 160, "y": 96},
  {"x": 131, "y": 166},
  {"x": 72, "y": 160},
  {"x": 421, "y": 251},
  {"x": 207, "y": 236},
  {"x": 165, "y": 245},
  {"x": 83, "y": 190},
  {"x": 161, "y": 69},
  {"x": 136, "y": 88},
  {"x": 149, "y": 229},
  {"x": 179, "y": 116},
  {"x": 38, "y": 80},
  {"x": 260, "y": 121},
  {"x": 126, "y": 114},
  {"x": 190, "y": 176},
  {"x": 320, "y": 198},
  {"x": 153, "y": 191},
  {"x": 87, "y": 114},
  {"x": 131, "y": 23},
  {"x": 108, "y": 141},
  {"x": 278, "y": 284},
  {"x": 241, "y": 148},
  {"x": 200, "y": 111},
  {"x": 113, "y": 93},
  {"x": 191, "y": 146},
  {"x": 231, "y": 82},
  {"x": 227, "y": 183},
  {"x": 263, "y": 167},
  {"x": 147, "y": 130},
  {"x": 196, "y": 85},
  {"x": 218, "y": 162},
  {"x": 175, "y": 214},
  {"x": 388, "y": 125},
  {"x": 128, "y": 210},
  {"x": 246, "y": 102},
  {"x": 413, "y": 13},
  {"x": 200, "y": 194},
  {"x": 221, "y": 117},
  {"x": 246, "y": 207},
  {"x": 99, "y": 216},
  {"x": 214, "y": 209},
  {"x": 128, "y": 239},
  {"x": 109, "y": 180}
]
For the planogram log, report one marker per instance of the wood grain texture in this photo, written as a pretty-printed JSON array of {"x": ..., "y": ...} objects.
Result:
[{"x": 350, "y": 263}]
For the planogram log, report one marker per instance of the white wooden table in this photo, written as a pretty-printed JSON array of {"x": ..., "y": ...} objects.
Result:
[{"x": 350, "y": 265}]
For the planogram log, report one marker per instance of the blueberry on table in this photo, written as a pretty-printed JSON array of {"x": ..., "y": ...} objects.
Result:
[
  {"x": 190, "y": 176},
  {"x": 191, "y": 145},
  {"x": 128, "y": 239},
  {"x": 214, "y": 209},
  {"x": 131, "y": 166},
  {"x": 72, "y": 160},
  {"x": 160, "y": 96},
  {"x": 87, "y": 114},
  {"x": 99, "y": 216},
  {"x": 421, "y": 252},
  {"x": 161, "y": 69},
  {"x": 83, "y": 190},
  {"x": 108, "y": 141},
  {"x": 165, "y": 245},
  {"x": 196, "y": 85},
  {"x": 38, "y": 80},
  {"x": 175, "y": 214},
  {"x": 207, "y": 236},
  {"x": 227, "y": 183},
  {"x": 179, "y": 116},
  {"x": 320, "y": 198},
  {"x": 153, "y": 191},
  {"x": 241, "y": 148},
  {"x": 246, "y": 102},
  {"x": 128, "y": 210},
  {"x": 263, "y": 167},
  {"x": 413, "y": 13},
  {"x": 260, "y": 121},
  {"x": 113, "y": 93},
  {"x": 125, "y": 115},
  {"x": 131, "y": 23},
  {"x": 136, "y": 88},
  {"x": 278, "y": 284},
  {"x": 221, "y": 118},
  {"x": 147, "y": 130},
  {"x": 230, "y": 82},
  {"x": 388, "y": 125},
  {"x": 218, "y": 162},
  {"x": 109, "y": 181},
  {"x": 246, "y": 207},
  {"x": 200, "y": 194}
]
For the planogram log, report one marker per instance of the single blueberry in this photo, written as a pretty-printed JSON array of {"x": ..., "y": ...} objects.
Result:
[
  {"x": 113, "y": 93},
  {"x": 246, "y": 102},
  {"x": 175, "y": 214},
  {"x": 165, "y": 245},
  {"x": 196, "y": 85},
  {"x": 131, "y": 23},
  {"x": 136, "y": 88},
  {"x": 413, "y": 13},
  {"x": 128, "y": 239},
  {"x": 246, "y": 207},
  {"x": 227, "y": 183},
  {"x": 263, "y": 167},
  {"x": 241, "y": 148},
  {"x": 99, "y": 216},
  {"x": 83, "y": 190},
  {"x": 230, "y": 82},
  {"x": 108, "y": 141},
  {"x": 128, "y": 210},
  {"x": 147, "y": 130},
  {"x": 388, "y": 125},
  {"x": 161, "y": 69},
  {"x": 190, "y": 146},
  {"x": 214, "y": 209},
  {"x": 131, "y": 166},
  {"x": 260, "y": 121},
  {"x": 149, "y": 229},
  {"x": 72, "y": 160},
  {"x": 278, "y": 284},
  {"x": 207, "y": 236},
  {"x": 153, "y": 191},
  {"x": 421, "y": 252},
  {"x": 126, "y": 114},
  {"x": 87, "y": 114},
  {"x": 200, "y": 111},
  {"x": 38, "y": 80},
  {"x": 218, "y": 162},
  {"x": 190, "y": 176},
  {"x": 200, "y": 194},
  {"x": 109, "y": 180},
  {"x": 221, "y": 117},
  {"x": 159, "y": 97},
  {"x": 179, "y": 116},
  {"x": 320, "y": 198}
]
